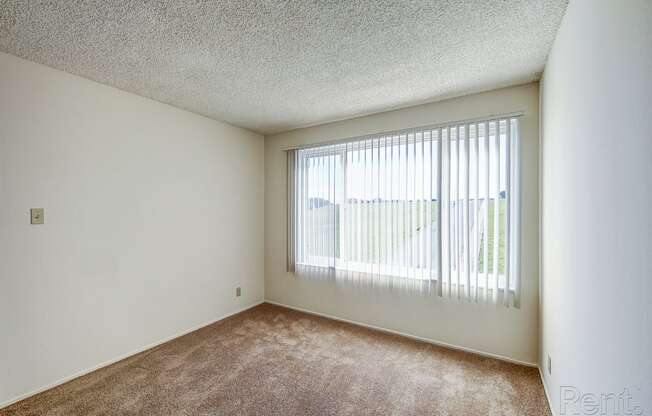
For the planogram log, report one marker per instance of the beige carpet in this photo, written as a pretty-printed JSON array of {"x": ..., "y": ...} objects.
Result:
[{"x": 274, "y": 361}]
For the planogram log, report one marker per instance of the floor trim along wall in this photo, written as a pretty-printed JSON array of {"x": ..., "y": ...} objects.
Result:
[
  {"x": 123, "y": 356},
  {"x": 403, "y": 334},
  {"x": 545, "y": 390}
]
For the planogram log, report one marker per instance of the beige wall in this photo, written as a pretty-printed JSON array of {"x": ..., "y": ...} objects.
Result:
[
  {"x": 510, "y": 333},
  {"x": 596, "y": 294},
  {"x": 153, "y": 216}
]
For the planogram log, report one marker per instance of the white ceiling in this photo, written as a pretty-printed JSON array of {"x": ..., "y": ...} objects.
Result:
[{"x": 276, "y": 65}]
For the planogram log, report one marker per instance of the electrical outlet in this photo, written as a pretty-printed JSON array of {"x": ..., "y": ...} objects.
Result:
[
  {"x": 37, "y": 216},
  {"x": 549, "y": 365},
  {"x": 238, "y": 291}
]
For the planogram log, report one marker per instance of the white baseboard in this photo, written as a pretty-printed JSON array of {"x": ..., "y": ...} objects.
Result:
[
  {"x": 123, "y": 356},
  {"x": 403, "y": 334},
  {"x": 545, "y": 389}
]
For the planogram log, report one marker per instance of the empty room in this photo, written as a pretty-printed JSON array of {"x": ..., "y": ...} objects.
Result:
[{"x": 360, "y": 207}]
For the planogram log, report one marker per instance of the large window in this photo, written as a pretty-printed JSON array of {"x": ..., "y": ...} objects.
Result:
[{"x": 435, "y": 209}]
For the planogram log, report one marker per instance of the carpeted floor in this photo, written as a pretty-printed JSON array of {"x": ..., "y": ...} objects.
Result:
[{"x": 275, "y": 361}]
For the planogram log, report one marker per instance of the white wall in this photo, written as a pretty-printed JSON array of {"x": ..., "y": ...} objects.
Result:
[
  {"x": 511, "y": 333},
  {"x": 153, "y": 216},
  {"x": 597, "y": 195}
]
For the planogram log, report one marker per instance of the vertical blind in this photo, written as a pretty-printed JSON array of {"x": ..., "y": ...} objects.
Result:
[{"x": 435, "y": 210}]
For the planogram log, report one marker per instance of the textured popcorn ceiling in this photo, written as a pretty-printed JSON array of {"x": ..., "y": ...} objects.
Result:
[{"x": 276, "y": 65}]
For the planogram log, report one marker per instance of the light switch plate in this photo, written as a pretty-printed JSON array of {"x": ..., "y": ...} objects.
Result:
[{"x": 37, "y": 216}]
